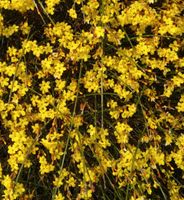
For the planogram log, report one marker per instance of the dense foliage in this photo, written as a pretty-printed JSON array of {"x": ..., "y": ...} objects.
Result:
[{"x": 91, "y": 99}]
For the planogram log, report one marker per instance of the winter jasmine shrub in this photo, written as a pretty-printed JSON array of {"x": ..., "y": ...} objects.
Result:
[{"x": 91, "y": 99}]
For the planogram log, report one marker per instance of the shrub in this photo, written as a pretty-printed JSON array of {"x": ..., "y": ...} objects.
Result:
[{"x": 91, "y": 99}]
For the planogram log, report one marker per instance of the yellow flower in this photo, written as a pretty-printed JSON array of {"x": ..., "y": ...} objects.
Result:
[
  {"x": 128, "y": 111},
  {"x": 72, "y": 13},
  {"x": 53, "y": 145},
  {"x": 7, "y": 182},
  {"x": 60, "y": 84},
  {"x": 178, "y": 79},
  {"x": 4, "y": 81},
  {"x": 22, "y": 5},
  {"x": 13, "y": 190},
  {"x": 8, "y": 31},
  {"x": 152, "y": 123},
  {"x": 71, "y": 182},
  {"x": 168, "y": 89},
  {"x": 122, "y": 92},
  {"x": 45, "y": 167},
  {"x": 99, "y": 31},
  {"x": 36, "y": 128},
  {"x": 155, "y": 156},
  {"x": 50, "y": 6},
  {"x": 59, "y": 68},
  {"x": 121, "y": 132},
  {"x": 151, "y": 1},
  {"x": 180, "y": 106},
  {"x": 44, "y": 86},
  {"x": 103, "y": 140},
  {"x": 78, "y": 1},
  {"x": 168, "y": 139},
  {"x": 59, "y": 196},
  {"x": 14, "y": 86},
  {"x": 25, "y": 28},
  {"x": 58, "y": 181}
]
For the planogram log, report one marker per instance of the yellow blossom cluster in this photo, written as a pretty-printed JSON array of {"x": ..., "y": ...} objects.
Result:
[{"x": 91, "y": 99}]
